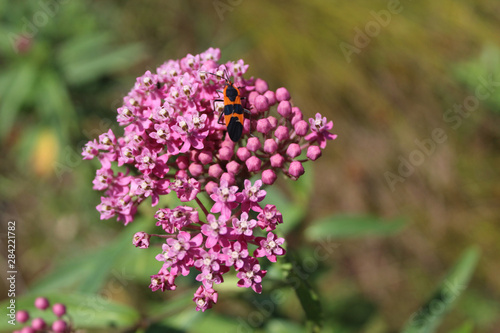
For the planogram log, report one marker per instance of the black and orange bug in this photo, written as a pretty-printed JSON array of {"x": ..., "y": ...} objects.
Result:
[{"x": 233, "y": 110}]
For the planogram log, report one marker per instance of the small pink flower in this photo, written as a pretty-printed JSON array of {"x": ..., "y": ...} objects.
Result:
[
  {"x": 224, "y": 197},
  {"x": 270, "y": 247},
  {"x": 320, "y": 127},
  {"x": 205, "y": 298},
  {"x": 251, "y": 276},
  {"x": 269, "y": 218},
  {"x": 163, "y": 281},
  {"x": 251, "y": 195},
  {"x": 243, "y": 226},
  {"x": 235, "y": 255},
  {"x": 141, "y": 240},
  {"x": 215, "y": 230}
]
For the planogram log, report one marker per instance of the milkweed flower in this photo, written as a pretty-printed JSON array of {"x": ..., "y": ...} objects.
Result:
[{"x": 172, "y": 142}]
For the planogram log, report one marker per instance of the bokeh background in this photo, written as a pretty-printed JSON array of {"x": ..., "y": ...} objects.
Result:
[{"x": 60, "y": 87}]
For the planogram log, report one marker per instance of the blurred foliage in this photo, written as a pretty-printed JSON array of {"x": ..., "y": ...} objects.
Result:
[
  {"x": 486, "y": 66},
  {"x": 53, "y": 54},
  {"x": 64, "y": 84}
]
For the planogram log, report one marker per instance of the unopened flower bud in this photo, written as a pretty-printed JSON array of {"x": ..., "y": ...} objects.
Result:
[
  {"x": 273, "y": 121},
  {"x": 233, "y": 167},
  {"x": 251, "y": 97},
  {"x": 268, "y": 177},
  {"x": 42, "y": 303},
  {"x": 263, "y": 125},
  {"x": 281, "y": 133},
  {"x": 261, "y": 103},
  {"x": 270, "y": 146},
  {"x": 261, "y": 86},
  {"x": 229, "y": 178},
  {"x": 205, "y": 157},
  {"x": 277, "y": 161},
  {"x": 282, "y": 94},
  {"x": 215, "y": 171},
  {"x": 253, "y": 164},
  {"x": 196, "y": 169},
  {"x": 285, "y": 108},
  {"x": 253, "y": 144},
  {"x": 209, "y": 187},
  {"x": 38, "y": 324},
  {"x": 313, "y": 153},
  {"x": 301, "y": 127},
  {"x": 271, "y": 97},
  {"x": 293, "y": 150},
  {"x": 243, "y": 153},
  {"x": 59, "y": 309},
  {"x": 225, "y": 153},
  {"x": 296, "y": 169},
  {"x": 182, "y": 162},
  {"x": 59, "y": 326}
]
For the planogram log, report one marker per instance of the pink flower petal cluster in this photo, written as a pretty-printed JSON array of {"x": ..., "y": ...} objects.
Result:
[{"x": 172, "y": 142}]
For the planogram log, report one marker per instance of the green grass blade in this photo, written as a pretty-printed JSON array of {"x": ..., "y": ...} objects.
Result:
[
  {"x": 351, "y": 226},
  {"x": 15, "y": 94},
  {"x": 308, "y": 298},
  {"x": 430, "y": 315}
]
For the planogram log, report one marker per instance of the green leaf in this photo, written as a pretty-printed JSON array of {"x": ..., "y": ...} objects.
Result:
[
  {"x": 17, "y": 90},
  {"x": 86, "y": 311},
  {"x": 79, "y": 48},
  {"x": 430, "y": 315},
  {"x": 217, "y": 323},
  {"x": 309, "y": 299},
  {"x": 55, "y": 104},
  {"x": 88, "y": 272},
  {"x": 283, "y": 326},
  {"x": 350, "y": 226},
  {"x": 100, "y": 63},
  {"x": 467, "y": 327}
]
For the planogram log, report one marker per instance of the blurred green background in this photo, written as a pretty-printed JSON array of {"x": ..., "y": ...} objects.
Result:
[{"x": 394, "y": 240}]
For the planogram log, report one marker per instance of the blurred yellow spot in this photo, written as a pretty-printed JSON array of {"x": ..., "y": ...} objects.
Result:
[{"x": 44, "y": 153}]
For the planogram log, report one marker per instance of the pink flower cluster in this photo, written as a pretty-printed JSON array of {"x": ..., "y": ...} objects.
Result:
[
  {"x": 172, "y": 142},
  {"x": 38, "y": 324}
]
